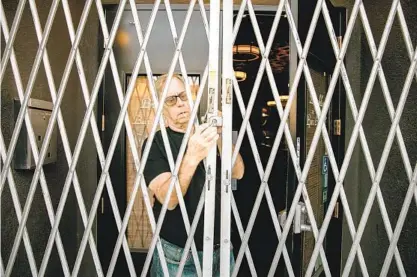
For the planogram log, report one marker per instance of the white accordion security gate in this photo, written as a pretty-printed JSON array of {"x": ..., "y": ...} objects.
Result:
[{"x": 222, "y": 88}]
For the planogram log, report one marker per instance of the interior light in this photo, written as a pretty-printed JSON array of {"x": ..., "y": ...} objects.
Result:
[
  {"x": 245, "y": 53},
  {"x": 240, "y": 76},
  {"x": 272, "y": 103}
]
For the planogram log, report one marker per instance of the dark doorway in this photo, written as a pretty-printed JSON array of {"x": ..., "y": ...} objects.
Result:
[{"x": 264, "y": 121}]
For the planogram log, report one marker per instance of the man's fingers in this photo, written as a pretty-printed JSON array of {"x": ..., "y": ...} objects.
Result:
[
  {"x": 201, "y": 128},
  {"x": 212, "y": 137},
  {"x": 208, "y": 132}
]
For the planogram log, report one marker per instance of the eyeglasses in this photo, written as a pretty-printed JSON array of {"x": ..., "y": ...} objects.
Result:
[{"x": 172, "y": 100}]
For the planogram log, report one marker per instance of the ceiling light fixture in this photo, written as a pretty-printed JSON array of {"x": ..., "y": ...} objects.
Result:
[
  {"x": 283, "y": 98},
  {"x": 240, "y": 76},
  {"x": 245, "y": 53}
]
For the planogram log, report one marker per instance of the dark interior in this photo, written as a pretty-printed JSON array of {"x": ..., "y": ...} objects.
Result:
[{"x": 264, "y": 121}]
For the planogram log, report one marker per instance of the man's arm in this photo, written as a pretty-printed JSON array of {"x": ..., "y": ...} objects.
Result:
[
  {"x": 239, "y": 167},
  {"x": 198, "y": 148},
  {"x": 160, "y": 184}
]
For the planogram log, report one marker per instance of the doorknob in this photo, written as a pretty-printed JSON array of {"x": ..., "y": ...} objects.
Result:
[{"x": 301, "y": 222}]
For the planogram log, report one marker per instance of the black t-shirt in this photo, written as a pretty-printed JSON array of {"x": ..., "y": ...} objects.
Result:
[{"x": 173, "y": 229}]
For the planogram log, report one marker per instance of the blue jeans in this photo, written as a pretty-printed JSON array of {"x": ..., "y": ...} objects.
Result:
[{"x": 173, "y": 255}]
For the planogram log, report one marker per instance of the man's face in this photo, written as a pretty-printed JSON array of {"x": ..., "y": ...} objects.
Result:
[{"x": 177, "y": 110}]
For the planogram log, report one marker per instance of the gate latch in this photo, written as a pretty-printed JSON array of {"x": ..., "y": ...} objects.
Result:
[
  {"x": 214, "y": 121},
  {"x": 300, "y": 221}
]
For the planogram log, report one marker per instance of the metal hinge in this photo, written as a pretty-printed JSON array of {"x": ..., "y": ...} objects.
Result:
[
  {"x": 103, "y": 122},
  {"x": 337, "y": 127}
]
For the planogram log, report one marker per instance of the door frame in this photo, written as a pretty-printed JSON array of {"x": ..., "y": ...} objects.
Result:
[
  {"x": 294, "y": 243},
  {"x": 105, "y": 241},
  {"x": 337, "y": 110}
]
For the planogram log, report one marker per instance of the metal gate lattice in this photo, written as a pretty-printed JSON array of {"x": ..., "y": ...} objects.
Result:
[{"x": 229, "y": 83}]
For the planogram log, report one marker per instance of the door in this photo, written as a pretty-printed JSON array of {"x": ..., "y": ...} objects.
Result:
[
  {"x": 256, "y": 145},
  {"x": 320, "y": 180},
  {"x": 141, "y": 114}
]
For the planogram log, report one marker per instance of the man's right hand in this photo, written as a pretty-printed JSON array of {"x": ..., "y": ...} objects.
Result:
[{"x": 201, "y": 142}]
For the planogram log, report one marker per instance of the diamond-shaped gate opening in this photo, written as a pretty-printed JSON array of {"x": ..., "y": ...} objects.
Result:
[{"x": 264, "y": 121}]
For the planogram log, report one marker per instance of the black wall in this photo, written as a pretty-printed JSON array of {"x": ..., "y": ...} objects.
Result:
[
  {"x": 376, "y": 124},
  {"x": 73, "y": 108}
]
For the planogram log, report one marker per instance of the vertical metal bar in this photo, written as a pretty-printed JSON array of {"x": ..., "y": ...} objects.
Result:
[
  {"x": 293, "y": 61},
  {"x": 212, "y": 106},
  {"x": 226, "y": 139},
  {"x": 1, "y": 133}
]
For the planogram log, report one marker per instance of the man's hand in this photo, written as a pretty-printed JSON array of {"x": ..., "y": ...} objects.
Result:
[{"x": 201, "y": 142}]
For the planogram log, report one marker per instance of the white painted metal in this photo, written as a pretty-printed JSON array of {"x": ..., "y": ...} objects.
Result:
[
  {"x": 226, "y": 137},
  {"x": 1, "y": 161},
  {"x": 211, "y": 73},
  {"x": 211, "y": 160}
]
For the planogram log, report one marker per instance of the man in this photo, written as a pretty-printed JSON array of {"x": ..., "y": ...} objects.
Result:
[{"x": 191, "y": 177}]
